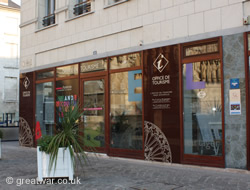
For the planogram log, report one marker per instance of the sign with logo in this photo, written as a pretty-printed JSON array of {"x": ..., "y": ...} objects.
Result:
[
  {"x": 160, "y": 63},
  {"x": 234, "y": 83},
  {"x": 161, "y": 94},
  {"x": 26, "y": 83}
]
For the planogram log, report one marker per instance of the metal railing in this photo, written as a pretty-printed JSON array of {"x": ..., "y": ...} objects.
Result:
[
  {"x": 82, "y": 8},
  {"x": 48, "y": 20}
]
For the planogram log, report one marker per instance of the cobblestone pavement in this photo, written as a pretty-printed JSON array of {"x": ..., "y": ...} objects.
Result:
[{"x": 20, "y": 164}]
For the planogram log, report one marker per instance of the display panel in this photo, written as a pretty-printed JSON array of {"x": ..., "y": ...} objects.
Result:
[
  {"x": 126, "y": 110},
  {"x": 202, "y": 107},
  {"x": 161, "y": 108}
]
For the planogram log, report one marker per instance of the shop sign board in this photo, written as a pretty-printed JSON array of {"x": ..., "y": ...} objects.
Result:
[{"x": 161, "y": 103}]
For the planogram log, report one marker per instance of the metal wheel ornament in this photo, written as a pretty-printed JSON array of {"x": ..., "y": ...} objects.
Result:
[
  {"x": 157, "y": 147},
  {"x": 25, "y": 133}
]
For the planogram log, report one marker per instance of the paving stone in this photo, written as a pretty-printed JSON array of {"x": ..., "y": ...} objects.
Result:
[{"x": 120, "y": 174}]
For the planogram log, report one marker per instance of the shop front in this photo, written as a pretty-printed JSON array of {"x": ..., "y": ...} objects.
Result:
[
  {"x": 247, "y": 62},
  {"x": 163, "y": 104}
]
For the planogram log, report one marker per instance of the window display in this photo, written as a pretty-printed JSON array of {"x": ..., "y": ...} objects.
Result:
[
  {"x": 126, "y": 110},
  {"x": 94, "y": 112},
  {"x": 66, "y": 93},
  {"x": 202, "y": 108},
  {"x": 125, "y": 61},
  {"x": 67, "y": 71}
]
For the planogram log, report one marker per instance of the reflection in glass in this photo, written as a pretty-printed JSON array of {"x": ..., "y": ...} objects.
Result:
[
  {"x": 91, "y": 66},
  {"x": 202, "y": 108},
  {"x": 94, "y": 113},
  {"x": 45, "y": 75},
  {"x": 202, "y": 49},
  {"x": 125, "y": 61},
  {"x": 67, "y": 71},
  {"x": 45, "y": 107},
  {"x": 66, "y": 94},
  {"x": 126, "y": 110}
]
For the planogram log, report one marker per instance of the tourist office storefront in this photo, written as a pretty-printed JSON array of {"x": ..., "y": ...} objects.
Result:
[{"x": 164, "y": 104}]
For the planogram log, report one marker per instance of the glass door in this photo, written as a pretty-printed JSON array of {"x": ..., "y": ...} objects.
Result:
[{"x": 94, "y": 112}]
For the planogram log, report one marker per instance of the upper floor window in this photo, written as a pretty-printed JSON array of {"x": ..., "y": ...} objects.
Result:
[
  {"x": 46, "y": 10},
  {"x": 111, "y": 2},
  {"x": 80, "y": 7}
]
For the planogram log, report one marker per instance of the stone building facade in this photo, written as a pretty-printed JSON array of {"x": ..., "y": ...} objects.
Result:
[
  {"x": 161, "y": 72},
  {"x": 9, "y": 67}
]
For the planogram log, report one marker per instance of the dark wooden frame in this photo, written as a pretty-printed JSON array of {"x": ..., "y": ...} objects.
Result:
[
  {"x": 39, "y": 81},
  {"x": 216, "y": 161},
  {"x": 139, "y": 154},
  {"x": 247, "y": 54}
]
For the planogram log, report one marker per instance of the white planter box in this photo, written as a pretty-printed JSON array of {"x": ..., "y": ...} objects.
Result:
[
  {"x": 0, "y": 148},
  {"x": 64, "y": 166}
]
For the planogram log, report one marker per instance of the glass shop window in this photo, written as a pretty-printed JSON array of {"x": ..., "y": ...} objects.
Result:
[
  {"x": 66, "y": 94},
  {"x": 125, "y": 61},
  {"x": 212, "y": 47},
  {"x": 44, "y": 75},
  {"x": 126, "y": 110},
  {"x": 45, "y": 107},
  {"x": 71, "y": 70},
  {"x": 202, "y": 108}
]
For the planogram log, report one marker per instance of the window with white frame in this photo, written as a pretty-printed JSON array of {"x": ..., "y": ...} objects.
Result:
[
  {"x": 11, "y": 27},
  {"x": 80, "y": 7},
  {"x": 11, "y": 55},
  {"x": 10, "y": 89},
  {"x": 111, "y": 2},
  {"x": 46, "y": 10}
]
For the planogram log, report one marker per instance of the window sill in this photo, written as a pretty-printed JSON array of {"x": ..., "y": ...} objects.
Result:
[
  {"x": 10, "y": 67},
  {"x": 10, "y": 101},
  {"x": 44, "y": 28},
  {"x": 75, "y": 17},
  {"x": 114, "y": 4}
]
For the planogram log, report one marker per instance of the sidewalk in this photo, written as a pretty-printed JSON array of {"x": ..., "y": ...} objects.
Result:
[{"x": 20, "y": 164}]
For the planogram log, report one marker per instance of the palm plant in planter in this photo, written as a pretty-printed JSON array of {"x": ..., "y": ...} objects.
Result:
[
  {"x": 61, "y": 151},
  {"x": 1, "y": 136}
]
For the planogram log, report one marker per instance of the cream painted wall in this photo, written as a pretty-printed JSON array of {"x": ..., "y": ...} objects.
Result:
[
  {"x": 119, "y": 27},
  {"x": 9, "y": 59}
]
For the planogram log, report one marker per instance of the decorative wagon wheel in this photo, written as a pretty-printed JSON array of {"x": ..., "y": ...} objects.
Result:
[
  {"x": 25, "y": 133},
  {"x": 156, "y": 144}
]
